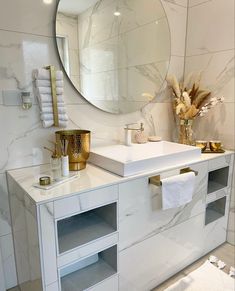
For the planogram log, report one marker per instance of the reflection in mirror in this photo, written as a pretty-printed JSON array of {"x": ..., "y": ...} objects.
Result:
[{"x": 114, "y": 51}]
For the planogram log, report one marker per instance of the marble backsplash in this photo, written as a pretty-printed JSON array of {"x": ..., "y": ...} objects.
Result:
[{"x": 210, "y": 49}]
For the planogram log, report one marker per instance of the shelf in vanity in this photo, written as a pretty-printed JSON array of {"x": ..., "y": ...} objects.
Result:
[
  {"x": 215, "y": 210},
  {"x": 85, "y": 227},
  {"x": 66, "y": 214},
  {"x": 216, "y": 194},
  {"x": 217, "y": 179},
  {"x": 89, "y": 271}
]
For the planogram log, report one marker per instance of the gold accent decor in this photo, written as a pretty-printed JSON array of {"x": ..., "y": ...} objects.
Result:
[
  {"x": 78, "y": 147},
  {"x": 54, "y": 95},
  {"x": 156, "y": 180},
  {"x": 44, "y": 181},
  {"x": 215, "y": 145},
  {"x": 202, "y": 144},
  {"x": 208, "y": 151},
  {"x": 186, "y": 132}
]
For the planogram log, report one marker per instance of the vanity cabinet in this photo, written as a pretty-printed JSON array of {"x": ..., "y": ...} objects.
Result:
[{"x": 113, "y": 235}]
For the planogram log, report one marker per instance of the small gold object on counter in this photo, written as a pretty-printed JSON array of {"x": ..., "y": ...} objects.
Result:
[
  {"x": 215, "y": 145},
  {"x": 78, "y": 148},
  {"x": 44, "y": 181},
  {"x": 202, "y": 144}
]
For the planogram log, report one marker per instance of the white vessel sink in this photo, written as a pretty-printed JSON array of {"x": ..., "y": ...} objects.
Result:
[{"x": 137, "y": 158}]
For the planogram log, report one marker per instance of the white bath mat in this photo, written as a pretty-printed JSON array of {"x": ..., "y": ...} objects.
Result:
[{"x": 205, "y": 278}]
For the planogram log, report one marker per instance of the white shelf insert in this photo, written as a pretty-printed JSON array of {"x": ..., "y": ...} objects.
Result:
[
  {"x": 217, "y": 179},
  {"x": 90, "y": 275},
  {"x": 83, "y": 228}
]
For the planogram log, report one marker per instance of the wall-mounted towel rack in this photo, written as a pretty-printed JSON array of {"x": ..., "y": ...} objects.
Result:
[
  {"x": 53, "y": 93},
  {"x": 156, "y": 180}
]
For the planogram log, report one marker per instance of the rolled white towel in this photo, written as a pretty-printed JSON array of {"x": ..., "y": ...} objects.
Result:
[
  {"x": 49, "y": 104},
  {"x": 47, "y": 98},
  {"x": 44, "y": 74},
  {"x": 49, "y": 116},
  {"x": 47, "y": 83},
  {"x": 47, "y": 90},
  {"x": 49, "y": 109},
  {"x": 49, "y": 123}
]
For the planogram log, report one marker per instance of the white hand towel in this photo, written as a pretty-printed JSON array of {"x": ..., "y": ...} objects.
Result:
[
  {"x": 47, "y": 83},
  {"x": 47, "y": 98},
  {"x": 49, "y": 104},
  {"x": 49, "y": 116},
  {"x": 49, "y": 109},
  {"x": 177, "y": 190},
  {"x": 44, "y": 74},
  {"x": 49, "y": 123},
  {"x": 47, "y": 90}
]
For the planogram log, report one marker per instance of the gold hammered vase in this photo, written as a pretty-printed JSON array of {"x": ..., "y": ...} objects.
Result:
[{"x": 78, "y": 147}]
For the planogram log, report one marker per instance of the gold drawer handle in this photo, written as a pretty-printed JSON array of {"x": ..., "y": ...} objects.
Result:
[{"x": 156, "y": 180}]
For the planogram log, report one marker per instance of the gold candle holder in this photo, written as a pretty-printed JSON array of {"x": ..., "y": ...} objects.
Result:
[
  {"x": 215, "y": 145},
  {"x": 202, "y": 144}
]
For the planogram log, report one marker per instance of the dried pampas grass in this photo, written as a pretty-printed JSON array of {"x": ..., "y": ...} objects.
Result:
[{"x": 191, "y": 100}]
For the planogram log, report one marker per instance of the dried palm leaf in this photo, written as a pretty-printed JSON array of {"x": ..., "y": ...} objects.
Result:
[
  {"x": 180, "y": 108},
  {"x": 193, "y": 93},
  {"x": 201, "y": 97},
  {"x": 197, "y": 79},
  {"x": 187, "y": 100},
  {"x": 172, "y": 81},
  {"x": 191, "y": 113}
]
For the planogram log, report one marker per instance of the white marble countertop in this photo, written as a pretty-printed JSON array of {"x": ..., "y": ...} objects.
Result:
[{"x": 90, "y": 178}]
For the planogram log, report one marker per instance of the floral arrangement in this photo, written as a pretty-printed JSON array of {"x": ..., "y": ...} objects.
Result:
[{"x": 190, "y": 100}]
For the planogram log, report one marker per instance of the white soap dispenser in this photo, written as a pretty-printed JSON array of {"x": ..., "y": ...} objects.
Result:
[{"x": 64, "y": 158}]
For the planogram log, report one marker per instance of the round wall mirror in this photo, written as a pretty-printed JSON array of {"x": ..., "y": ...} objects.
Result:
[{"x": 115, "y": 52}]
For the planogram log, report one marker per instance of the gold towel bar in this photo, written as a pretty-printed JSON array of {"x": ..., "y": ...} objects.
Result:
[
  {"x": 156, "y": 180},
  {"x": 54, "y": 94}
]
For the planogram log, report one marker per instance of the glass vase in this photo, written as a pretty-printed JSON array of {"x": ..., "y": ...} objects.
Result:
[{"x": 186, "y": 134}]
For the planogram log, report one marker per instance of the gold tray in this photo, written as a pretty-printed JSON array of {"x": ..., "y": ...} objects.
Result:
[{"x": 208, "y": 151}]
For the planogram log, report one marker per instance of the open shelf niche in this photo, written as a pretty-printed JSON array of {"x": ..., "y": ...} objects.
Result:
[
  {"x": 217, "y": 179},
  {"x": 85, "y": 227},
  {"x": 215, "y": 210},
  {"x": 89, "y": 271}
]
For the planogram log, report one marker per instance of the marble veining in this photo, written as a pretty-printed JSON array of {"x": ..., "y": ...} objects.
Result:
[
  {"x": 39, "y": 35},
  {"x": 136, "y": 225}
]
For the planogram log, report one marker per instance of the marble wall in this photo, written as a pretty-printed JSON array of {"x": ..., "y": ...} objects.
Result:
[
  {"x": 125, "y": 55},
  {"x": 26, "y": 43},
  {"x": 210, "y": 49}
]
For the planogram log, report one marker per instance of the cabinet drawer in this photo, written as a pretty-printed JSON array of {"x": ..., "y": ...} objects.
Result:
[
  {"x": 82, "y": 202},
  {"x": 220, "y": 162}
]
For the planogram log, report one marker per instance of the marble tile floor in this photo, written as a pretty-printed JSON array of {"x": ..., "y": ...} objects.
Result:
[{"x": 225, "y": 252}]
